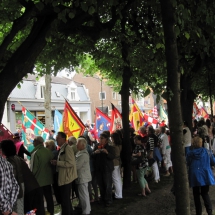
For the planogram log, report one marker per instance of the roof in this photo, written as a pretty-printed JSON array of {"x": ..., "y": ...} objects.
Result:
[
  {"x": 55, "y": 79},
  {"x": 59, "y": 86}
]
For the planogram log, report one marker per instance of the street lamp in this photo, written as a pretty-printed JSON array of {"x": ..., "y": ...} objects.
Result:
[{"x": 101, "y": 93}]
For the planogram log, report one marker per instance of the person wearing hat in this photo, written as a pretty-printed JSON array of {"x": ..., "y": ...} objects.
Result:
[{"x": 20, "y": 148}]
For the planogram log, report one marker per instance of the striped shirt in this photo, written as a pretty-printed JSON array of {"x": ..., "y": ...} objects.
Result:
[
  {"x": 9, "y": 187},
  {"x": 150, "y": 143},
  {"x": 144, "y": 163}
]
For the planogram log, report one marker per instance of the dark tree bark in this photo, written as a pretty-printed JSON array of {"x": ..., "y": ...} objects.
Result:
[
  {"x": 126, "y": 147},
  {"x": 187, "y": 94},
  {"x": 187, "y": 99},
  {"x": 174, "y": 109},
  {"x": 22, "y": 61}
]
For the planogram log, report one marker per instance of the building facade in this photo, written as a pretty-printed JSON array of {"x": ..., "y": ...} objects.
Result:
[
  {"x": 31, "y": 96},
  {"x": 100, "y": 94}
]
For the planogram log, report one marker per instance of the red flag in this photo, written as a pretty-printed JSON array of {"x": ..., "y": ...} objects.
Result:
[
  {"x": 116, "y": 119},
  {"x": 72, "y": 124},
  {"x": 155, "y": 111},
  {"x": 4, "y": 135}
]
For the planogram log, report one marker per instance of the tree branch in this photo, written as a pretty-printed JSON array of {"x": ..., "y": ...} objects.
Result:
[{"x": 18, "y": 25}]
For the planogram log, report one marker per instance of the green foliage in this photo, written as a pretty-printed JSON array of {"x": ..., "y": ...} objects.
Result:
[{"x": 90, "y": 36}]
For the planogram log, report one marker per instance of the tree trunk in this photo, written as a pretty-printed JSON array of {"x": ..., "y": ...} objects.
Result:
[
  {"x": 174, "y": 109},
  {"x": 22, "y": 61},
  {"x": 126, "y": 147},
  {"x": 47, "y": 97},
  {"x": 187, "y": 99}
]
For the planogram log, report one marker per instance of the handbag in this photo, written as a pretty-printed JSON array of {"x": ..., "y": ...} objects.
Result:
[{"x": 136, "y": 160}]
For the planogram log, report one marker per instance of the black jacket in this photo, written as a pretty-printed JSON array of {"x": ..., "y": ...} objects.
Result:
[{"x": 104, "y": 162}]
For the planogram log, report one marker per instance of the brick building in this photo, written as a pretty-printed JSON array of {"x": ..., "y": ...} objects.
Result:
[{"x": 100, "y": 94}]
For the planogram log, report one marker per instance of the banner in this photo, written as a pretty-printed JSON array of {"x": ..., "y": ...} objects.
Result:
[
  {"x": 136, "y": 116},
  {"x": 102, "y": 123},
  {"x": 163, "y": 115},
  {"x": 71, "y": 124},
  {"x": 32, "y": 127},
  {"x": 57, "y": 120},
  {"x": 116, "y": 119}
]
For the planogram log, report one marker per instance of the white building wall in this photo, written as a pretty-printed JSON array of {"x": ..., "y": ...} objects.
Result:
[{"x": 5, "y": 117}]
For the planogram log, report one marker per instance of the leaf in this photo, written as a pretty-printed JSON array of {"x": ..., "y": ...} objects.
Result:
[
  {"x": 174, "y": 3},
  {"x": 76, "y": 3},
  {"x": 187, "y": 35},
  {"x": 56, "y": 9},
  {"x": 91, "y": 10},
  {"x": 71, "y": 15},
  {"x": 54, "y": 3},
  {"x": 39, "y": 6},
  {"x": 159, "y": 45},
  {"x": 147, "y": 92},
  {"x": 84, "y": 6},
  {"x": 177, "y": 30},
  {"x": 198, "y": 34}
]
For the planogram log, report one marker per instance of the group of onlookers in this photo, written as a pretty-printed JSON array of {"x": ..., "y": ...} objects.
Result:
[
  {"x": 151, "y": 148},
  {"x": 82, "y": 165}
]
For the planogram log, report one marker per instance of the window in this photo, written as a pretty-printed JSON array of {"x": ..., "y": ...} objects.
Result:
[
  {"x": 102, "y": 95},
  {"x": 119, "y": 97},
  {"x": 42, "y": 89},
  {"x": 72, "y": 95},
  {"x": 41, "y": 116},
  {"x": 18, "y": 116},
  {"x": 114, "y": 95}
]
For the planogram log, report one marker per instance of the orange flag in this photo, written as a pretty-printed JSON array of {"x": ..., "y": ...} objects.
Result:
[
  {"x": 72, "y": 124},
  {"x": 204, "y": 113}
]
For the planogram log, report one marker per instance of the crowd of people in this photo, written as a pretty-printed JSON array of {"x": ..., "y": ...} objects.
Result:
[{"x": 92, "y": 171}]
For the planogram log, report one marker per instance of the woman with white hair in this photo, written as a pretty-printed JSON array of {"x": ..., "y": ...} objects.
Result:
[{"x": 84, "y": 175}]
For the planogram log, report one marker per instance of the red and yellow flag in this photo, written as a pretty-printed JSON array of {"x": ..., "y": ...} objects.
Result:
[
  {"x": 71, "y": 124},
  {"x": 136, "y": 116},
  {"x": 204, "y": 113}
]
